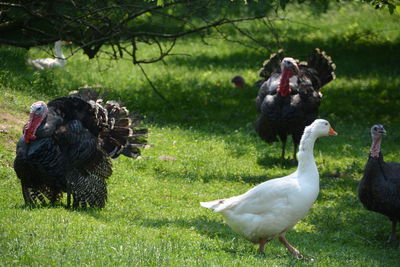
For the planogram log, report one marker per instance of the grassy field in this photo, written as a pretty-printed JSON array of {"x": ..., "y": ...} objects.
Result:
[{"x": 153, "y": 217}]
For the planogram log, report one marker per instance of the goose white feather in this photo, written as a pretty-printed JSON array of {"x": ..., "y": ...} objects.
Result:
[
  {"x": 47, "y": 63},
  {"x": 272, "y": 208}
]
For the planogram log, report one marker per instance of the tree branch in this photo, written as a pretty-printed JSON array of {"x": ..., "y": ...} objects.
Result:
[{"x": 152, "y": 85}]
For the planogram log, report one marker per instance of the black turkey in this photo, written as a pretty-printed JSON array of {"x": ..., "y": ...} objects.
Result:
[
  {"x": 238, "y": 81},
  {"x": 379, "y": 188},
  {"x": 289, "y": 96},
  {"x": 67, "y": 145}
]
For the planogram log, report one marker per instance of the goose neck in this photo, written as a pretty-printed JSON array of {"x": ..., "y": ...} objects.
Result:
[
  {"x": 305, "y": 156},
  {"x": 307, "y": 142},
  {"x": 58, "y": 51}
]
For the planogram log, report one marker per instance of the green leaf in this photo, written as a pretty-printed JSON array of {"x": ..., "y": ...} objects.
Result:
[{"x": 398, "y": 9}]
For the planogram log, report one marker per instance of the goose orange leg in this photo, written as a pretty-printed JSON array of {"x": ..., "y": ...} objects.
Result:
[
  {"x": 292, "y": 249},
  {"x": 262, "y": 243}
]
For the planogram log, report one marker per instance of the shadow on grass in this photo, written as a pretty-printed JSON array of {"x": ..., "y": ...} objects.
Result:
[
  {"x": 255, "y": 179},
  {"x": 202, "y": 224},
  {"x": 351, "y": 58},
  {"x": 166, "y": 173},
  {"x": 268, "y": 160},
  {"x": 339, "y": 208},
  {"x": 91, "y": 211},
  {"x": 197, "y": 103},
  {"x": 207, "y": 107},
  {"x": 370, "y": 94},
  {"x": 232, "y": 241},
  {"x": 96, "y": 213}
]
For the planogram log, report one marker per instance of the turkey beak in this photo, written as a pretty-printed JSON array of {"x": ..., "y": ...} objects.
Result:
[
  {"x": 382, "y": 132},
  {"x": 332, "y": 132}
]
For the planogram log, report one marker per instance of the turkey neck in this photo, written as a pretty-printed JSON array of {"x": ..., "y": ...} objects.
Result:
[
  {"x": 284, "y": 87},
  {"x": 306, "y": 157},
  {"x": 376, "y": 146}
]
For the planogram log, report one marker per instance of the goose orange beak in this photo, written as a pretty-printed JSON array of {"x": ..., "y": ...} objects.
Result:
[{"x": 332, "y": 132}]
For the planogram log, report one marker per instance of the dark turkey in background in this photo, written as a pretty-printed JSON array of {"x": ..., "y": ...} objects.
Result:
[{"x": 289, "y": 96}]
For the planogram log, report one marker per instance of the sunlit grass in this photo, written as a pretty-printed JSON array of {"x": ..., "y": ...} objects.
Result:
[{"x": 153, "y": 217}]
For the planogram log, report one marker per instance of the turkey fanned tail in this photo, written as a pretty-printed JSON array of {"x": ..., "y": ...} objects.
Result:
[
  {"x": 121, "y": 132},
  {"x": 320, "y": 62}
]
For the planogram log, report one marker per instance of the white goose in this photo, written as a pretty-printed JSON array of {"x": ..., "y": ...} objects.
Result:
[
  {"x": 272, "y": 208},
  {"x": 47, "y": 63}
]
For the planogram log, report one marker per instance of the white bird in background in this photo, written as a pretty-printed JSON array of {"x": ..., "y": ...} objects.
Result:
[
  {"x": 274, "y": 207},
  {"x": 47, "y": 63}
]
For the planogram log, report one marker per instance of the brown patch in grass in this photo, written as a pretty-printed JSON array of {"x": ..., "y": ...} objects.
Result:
[{"x": 10, "y": 125}]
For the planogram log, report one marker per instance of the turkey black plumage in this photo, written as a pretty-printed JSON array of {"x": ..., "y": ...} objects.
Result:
[
  {"x": 379, "y": 188},
  {"x": 289, "y": 96},
  {"x": 67, "y": 145}
]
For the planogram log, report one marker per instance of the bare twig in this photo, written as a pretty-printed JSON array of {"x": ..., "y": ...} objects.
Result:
[
  {"x": 248, "y": 35},
  {"x": 152, "y": 85},
  {"x": 273, "y": 30}
]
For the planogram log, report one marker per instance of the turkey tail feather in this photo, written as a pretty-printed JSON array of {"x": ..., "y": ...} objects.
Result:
[
  {"x": 87, "y": 185},
  {"x": 125, "y": 129},
  {"x": 323, "y": 64},
  {"x": 120, "y": 131},
  {"x": 272, "y": 64}
]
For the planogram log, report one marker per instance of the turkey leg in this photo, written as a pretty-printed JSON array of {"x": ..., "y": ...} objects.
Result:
[{"x": 283, "y": 140}]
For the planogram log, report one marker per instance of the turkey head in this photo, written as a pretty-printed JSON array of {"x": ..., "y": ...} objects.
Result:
[{"x": 37, "y": 114}]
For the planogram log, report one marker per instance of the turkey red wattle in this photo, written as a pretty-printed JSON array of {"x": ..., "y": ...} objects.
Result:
[
  {"x": 31, "y": 127},
  {"x": 36, "y": 116},
  {"x": 284, "y": 86}
]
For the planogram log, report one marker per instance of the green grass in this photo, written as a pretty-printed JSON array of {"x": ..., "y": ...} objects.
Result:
[{"x": 153, "y": 217}]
